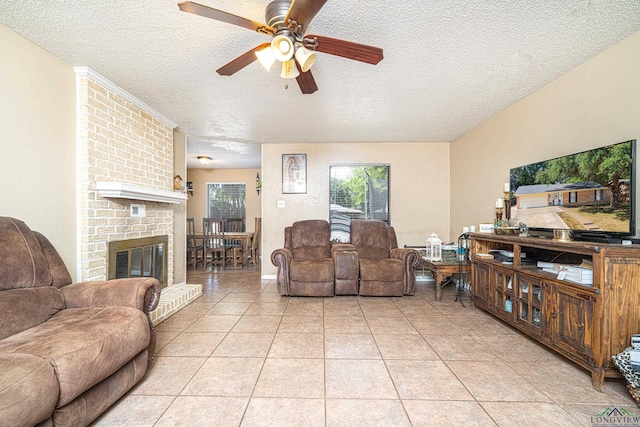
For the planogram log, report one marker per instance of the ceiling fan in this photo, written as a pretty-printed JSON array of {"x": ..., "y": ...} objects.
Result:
[{"x": 286, "y": 24}]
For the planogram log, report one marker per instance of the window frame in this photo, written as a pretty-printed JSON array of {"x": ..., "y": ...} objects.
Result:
[
  {"x": 573, "y": 197},
  {"x": 208, "y": 213},
  {"x": 599, "y": 195},
  {"x": 366, "y": 211}
]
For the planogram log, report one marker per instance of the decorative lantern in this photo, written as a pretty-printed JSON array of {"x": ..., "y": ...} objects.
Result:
[
  {"x": 177, "y": 182},
  {"x": 434, "y": 248}
]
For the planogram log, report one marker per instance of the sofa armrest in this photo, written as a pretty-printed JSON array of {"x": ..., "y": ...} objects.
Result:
[
  {"x": 281, "y": 258},
  {"x": 140, "y": 293},
  {"x": 346, "y": 271},
  {"x": 409, "y": 258}
]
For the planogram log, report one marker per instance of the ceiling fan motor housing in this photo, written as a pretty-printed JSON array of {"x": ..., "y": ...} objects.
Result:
[{"x": 275, "y": 13}]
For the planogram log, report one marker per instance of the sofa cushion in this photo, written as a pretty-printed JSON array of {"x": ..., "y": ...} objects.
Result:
[
  {"x": 85, "y": 345},
  {"x": 28, "y": 389},
  {"x": 318, "y": 270},
  {"x": 23, "y": 262},
  {"x": 21, "y": 309},
  {"x": 382, "y": 270},
  {"x": 59, "y": 274},
  {"x": 310, "y": 239},
  {"x": 371, "y": 239}
]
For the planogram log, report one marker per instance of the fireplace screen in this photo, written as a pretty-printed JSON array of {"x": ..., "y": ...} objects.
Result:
[{"x": 144, "y": 257}]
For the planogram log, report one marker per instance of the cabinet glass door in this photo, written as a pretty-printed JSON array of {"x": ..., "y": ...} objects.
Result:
[
  {"x": 504, "y": 292},
  {"x": 529, "y": 297},
  {"x": 481, "y": 284}
]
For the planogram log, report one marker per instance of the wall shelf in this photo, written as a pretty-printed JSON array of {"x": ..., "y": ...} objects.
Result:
[{"x": 120, "y": 190}]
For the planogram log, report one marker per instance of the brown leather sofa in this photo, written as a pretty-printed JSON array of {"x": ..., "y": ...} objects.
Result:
[
  {"x": 371, "y": 265},
  {"x": 384, "y": 269},
  {"x": 307, "y": 266},
  {"x": 67, "y": 351}
]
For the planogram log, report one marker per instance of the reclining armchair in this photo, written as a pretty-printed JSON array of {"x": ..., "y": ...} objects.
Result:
[
  {"x": 67, "y": 350},
  {"x": 384, "y": 269},
  {"x": 308, "y": 267}
]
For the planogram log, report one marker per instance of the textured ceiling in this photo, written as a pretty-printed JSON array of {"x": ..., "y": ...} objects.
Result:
[{"x": 448, "y": 65}]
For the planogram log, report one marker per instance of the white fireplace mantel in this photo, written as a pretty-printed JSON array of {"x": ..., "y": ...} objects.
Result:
[{"x": 121, "y": 190}]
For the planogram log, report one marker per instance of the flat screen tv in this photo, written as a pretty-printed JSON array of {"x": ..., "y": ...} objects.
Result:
[{"x": 591, "y": 193}]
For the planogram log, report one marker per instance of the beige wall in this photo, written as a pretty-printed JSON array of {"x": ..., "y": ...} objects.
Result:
[
  {"x": 419, "y": 188},
  {"x": 196, "y": 205},
  {"x": 596, "y": 104},
  {"x": 37, "y": 142},
  {"x": 180, "y": 211}
]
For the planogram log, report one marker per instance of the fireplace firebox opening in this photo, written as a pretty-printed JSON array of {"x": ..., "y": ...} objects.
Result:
[{"x": 142, "y": 257}]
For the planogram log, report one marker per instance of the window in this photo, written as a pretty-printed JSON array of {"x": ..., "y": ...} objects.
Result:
[
  {"x": 226, "y": 200},
  {"x": 573, "y": 196},
  {"x": 599, "y": 196},
  {"x": 360, "y": 191}
]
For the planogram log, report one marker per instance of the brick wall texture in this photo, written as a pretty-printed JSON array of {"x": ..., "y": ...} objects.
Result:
[{"x": 119, "y": 142}]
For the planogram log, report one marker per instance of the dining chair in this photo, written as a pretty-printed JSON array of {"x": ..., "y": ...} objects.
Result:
[
  {"x": 215, "y": 248},
  {"x": 254, "y": 250},
  {"x": 234, "y": 246},
  {"x": 195, "y": 251}
]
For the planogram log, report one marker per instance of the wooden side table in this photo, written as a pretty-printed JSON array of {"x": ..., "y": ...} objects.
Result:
[{"x": 442, "y": 272}]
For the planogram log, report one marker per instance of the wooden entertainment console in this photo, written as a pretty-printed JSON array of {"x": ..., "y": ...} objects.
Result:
[{"x": 586, "y": 323}]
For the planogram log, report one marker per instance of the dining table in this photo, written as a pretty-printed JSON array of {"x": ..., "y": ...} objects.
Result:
[{"x": 245, "y": 240}]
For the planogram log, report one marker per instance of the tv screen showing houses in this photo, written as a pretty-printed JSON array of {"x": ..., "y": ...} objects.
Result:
[{"x": 587, "y": 192}]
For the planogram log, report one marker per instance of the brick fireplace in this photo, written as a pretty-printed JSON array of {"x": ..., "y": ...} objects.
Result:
[
  {"x": 120, "y": 141},
  {"x": 125, "y": 157}
]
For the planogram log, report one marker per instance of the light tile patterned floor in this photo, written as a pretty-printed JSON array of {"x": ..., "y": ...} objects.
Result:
[{"x": 242, "y": 355}]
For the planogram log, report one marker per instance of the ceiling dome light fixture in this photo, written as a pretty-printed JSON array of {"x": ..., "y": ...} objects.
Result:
[{"x": 204, "y": 159}]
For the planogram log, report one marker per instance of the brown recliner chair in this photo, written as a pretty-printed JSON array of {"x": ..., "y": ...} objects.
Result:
[
  {"x": 67, "y": 351},
  {"x": 385, "y": 269},
  {"x": 306, "y": 265}
]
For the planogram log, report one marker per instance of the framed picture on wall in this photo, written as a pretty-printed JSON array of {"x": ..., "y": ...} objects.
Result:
[{"x": 294, "y": 173}]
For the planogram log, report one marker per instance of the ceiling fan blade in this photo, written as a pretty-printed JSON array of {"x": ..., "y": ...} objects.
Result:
[
  {"x": 346, "y": 49},
  {"x": 303, "y": 11},
  {"x": 241, "y": 61},
  {"x": 219, "y": 15},
  {"x": 306, "y": 81}
]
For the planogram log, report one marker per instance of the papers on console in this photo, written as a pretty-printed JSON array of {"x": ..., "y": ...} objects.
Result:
[{"x": 582, "y": 274}]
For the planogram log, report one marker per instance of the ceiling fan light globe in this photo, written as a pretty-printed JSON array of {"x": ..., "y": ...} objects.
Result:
[
  {"x": 289, "y": 70},
  {"x": 306, "y": 58},
  {"x": 282, "y": 48},
  {"x": 266, "y": 57}
]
